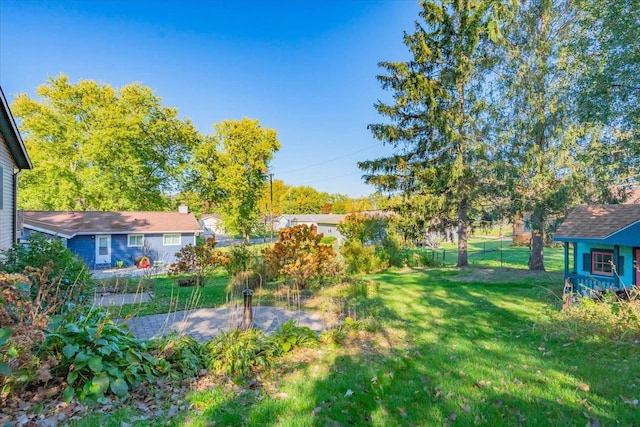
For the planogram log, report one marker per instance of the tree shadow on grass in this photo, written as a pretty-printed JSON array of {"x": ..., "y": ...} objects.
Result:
[{"x": 466, "y": 354}]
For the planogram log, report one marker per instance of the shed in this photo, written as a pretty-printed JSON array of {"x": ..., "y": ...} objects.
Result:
[{"x": 601, "y": 247}]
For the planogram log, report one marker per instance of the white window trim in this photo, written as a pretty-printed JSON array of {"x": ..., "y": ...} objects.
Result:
[
  {"x": 129, "y": 236},
  {"x": 164, "y": 239}
]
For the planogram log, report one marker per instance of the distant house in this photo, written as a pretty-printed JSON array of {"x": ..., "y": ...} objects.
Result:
[
  {"x": 521, "y": 230},
  {"x": 328, "y": 226},
  {"x": 102, "y": 239},
  {"x": 211, "y": 225},
  {"x": 601, "y": 247},
  {"x": 13, "y": 159},
  {"x": 322, "y": 223}
]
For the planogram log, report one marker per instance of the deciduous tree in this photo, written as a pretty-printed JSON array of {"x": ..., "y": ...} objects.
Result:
[
  {"x": 230, "y": 169},
  {"x": 96, "y": 147},
  {"x": 547, "y": 145}
]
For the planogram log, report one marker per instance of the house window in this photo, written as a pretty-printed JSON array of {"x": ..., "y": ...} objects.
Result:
[
  {"x": 172, "y": 239},
  {"x": 103, "y": 246},
  {"x": 602, "y": 263},
  {"x": 135, "y": 240}
]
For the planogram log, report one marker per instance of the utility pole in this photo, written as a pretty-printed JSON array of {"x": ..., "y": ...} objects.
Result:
[{"x": 271, "y": 206}]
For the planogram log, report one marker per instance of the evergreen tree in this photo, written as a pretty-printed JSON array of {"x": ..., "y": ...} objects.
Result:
[{"x": 437, "y": 118}]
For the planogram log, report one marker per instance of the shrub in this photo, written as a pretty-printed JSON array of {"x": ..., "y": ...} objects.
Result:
[
  {"x": 22, "y": 324},
  {"x": 390, "y": 253},
  {"x": 610, "y": 316},
  {"x": 328, "y": 240},
  {"x": 428, "y": 259},
  {"x": 290, "y": 336},
  {"x": 366, "y": 228},
  {"x": 240, "y": 259},
  {"x": 62, "y": 268},
  {"x": 299, "y": 258},
  {"x": 201, "y": 260},
  {"x": 185, "y": 355},
  {"x": 245, "y": 270},
  {"x": 239, "y": 352},
  {"x": 358, "y": 257}
]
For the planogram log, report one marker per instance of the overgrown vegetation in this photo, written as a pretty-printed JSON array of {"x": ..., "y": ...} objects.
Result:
[
  {"x": 299, "y": 258},
  {"x": 56, "y": 267},
  {"x": 200, "y": 260}
]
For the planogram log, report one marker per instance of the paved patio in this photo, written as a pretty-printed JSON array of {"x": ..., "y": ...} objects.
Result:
[{"x": 206, "y": 323}]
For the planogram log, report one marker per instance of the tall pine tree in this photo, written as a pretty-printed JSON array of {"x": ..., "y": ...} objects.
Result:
[{"x": 436, "y": 118}]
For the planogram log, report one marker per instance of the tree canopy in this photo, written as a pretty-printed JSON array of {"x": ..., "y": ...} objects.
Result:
[
  {"x": 100, "y": 148},
  {"x": 436, "y": 117},
  {"x": 229, "y": 170}
]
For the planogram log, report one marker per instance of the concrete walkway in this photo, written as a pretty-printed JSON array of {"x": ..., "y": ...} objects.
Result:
[
  {"x": 108, "y": 299},
  {"x": 206, "y": 323}
]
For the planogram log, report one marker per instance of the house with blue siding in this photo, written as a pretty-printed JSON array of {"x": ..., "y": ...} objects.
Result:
[
  {"x": 13, "y": 159},
  {"x": 601, "y": 247},
  {"x": 107, "y": 239}
]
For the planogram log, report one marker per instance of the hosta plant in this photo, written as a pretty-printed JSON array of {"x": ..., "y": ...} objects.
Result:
[{"x": 98, "y": 357}]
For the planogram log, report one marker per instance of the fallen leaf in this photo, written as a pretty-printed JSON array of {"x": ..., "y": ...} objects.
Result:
[
  {"x": 453, "y": 416},
  {"x": 583, "y": 387},
  {"x": 466, "y": 408},
  {"x": 348, "y": 393},
  {"x": 374, "y": 380}
]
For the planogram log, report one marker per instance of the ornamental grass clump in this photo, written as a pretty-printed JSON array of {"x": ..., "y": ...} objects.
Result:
[{"x": 611, "y": 315}]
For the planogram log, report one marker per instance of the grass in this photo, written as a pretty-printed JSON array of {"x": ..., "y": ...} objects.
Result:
[
  {"x": 455, "y": 347},
  {"x": 484, "y": 252},
  {"x": 169, "y": 297},
  {"x": 493, "y": 253}
]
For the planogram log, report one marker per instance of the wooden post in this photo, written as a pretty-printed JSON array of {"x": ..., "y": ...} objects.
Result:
[
  {"x": 566, "y": 260},
  {"x": 616, "y": 258},
  {"x": 247, "y": 314}
]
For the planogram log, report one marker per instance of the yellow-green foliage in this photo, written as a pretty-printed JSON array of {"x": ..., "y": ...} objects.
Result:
[{"x": 609, "y": 316}]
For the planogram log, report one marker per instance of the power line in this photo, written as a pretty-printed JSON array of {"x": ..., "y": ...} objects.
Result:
[{"x": 324, "y": 162}]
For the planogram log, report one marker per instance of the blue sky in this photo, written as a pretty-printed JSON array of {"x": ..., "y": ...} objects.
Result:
[{"x": 304, "y": 68}]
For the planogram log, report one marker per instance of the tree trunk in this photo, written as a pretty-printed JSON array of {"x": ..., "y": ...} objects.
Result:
[
  {"x": 536, "y": 259},
  {"x": 463, "y": 233}
]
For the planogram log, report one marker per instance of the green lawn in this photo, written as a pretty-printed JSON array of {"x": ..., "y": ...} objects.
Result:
[
  {"x": 456, "y": 347},
  {"x": 493, "y": 253},
  {"x": 169, "y": 296}
]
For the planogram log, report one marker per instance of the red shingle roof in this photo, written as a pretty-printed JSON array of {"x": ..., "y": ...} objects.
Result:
[
  {"x": 597, "y": 221},
  {"x": 69, "y": 224}
]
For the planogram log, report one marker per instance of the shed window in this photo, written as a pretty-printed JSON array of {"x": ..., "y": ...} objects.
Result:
[
  {"x": 172, "y": 239},
  {"x": 135, "y": 240},
  {"x": 602, "y": 263}
]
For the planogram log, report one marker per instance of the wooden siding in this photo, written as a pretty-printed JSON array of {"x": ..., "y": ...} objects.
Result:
[
  {"x": 7, "y": 231},
  {"x": 625, "y": 271},
  {"x": 84, "y": 246}
]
